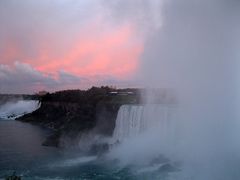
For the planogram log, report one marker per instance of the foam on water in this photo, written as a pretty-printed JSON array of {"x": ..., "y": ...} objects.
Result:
[{"x": 75, "y": 161}]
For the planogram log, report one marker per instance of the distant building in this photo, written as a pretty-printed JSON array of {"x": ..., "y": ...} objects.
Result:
[
  {"x": 121, "y": 93},
  {"x": 113, "y": 93}
]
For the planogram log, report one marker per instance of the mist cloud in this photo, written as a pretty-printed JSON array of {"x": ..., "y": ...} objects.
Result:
[{"x": 195, "y": 51}]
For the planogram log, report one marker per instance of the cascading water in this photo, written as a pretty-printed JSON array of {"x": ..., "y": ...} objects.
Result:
[
  {"x": 133, "y": 120},
  {"x": 197, "y": 147},
  {"x": 12, "y": 110},
  {"x": 145, "y": 132},
  {"x": 196, "y": 53}
]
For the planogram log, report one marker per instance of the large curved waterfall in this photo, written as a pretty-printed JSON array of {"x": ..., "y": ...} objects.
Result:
[
  {"x": 133, "y": 120},
  {"x": 144, "y": 132}
]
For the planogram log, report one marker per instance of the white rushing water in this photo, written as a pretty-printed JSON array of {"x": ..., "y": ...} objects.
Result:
[
  {"x": 204, "y": 148},
  {"x": 133, "y": 120},
  {"x": 144, "y": 132},
  {"x": 12, "y": 110}
]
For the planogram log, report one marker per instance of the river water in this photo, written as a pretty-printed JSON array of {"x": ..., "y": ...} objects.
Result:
[{"x": 21, "y": 152}]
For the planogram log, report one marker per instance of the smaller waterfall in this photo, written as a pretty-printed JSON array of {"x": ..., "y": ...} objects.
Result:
[
  {"x": 13, "y": 110},
  {"x": 133, "y": 120}
]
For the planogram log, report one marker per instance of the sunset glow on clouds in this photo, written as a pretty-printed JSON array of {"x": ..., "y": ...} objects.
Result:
[
  {"x": 53, "y": 46},
  {"x": 114, "y": 52}
]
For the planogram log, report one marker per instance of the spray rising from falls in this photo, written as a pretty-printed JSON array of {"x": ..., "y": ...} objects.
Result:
[
  {"x": 196, "y": 53},
  {"x": 159, "y": 137},
  {"x": 143, "y": 133}
]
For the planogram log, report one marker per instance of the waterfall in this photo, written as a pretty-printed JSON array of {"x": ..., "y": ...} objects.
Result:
[
  {"x": 133, "y": 120},
  {"x": 13, "y": 110},
  {"x": 144, "y": 132},
  {"x": 182, "y": 135}
]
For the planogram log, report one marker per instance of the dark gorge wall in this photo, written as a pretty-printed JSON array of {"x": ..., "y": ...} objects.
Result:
[{"x": 72, "y": 113}]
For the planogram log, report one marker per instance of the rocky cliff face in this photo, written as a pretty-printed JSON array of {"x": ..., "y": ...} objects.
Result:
[{"x": 72, "y": 113}]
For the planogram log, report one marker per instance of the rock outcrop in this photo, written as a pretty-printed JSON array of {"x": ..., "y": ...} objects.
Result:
[{"x": 73, "y": 112}]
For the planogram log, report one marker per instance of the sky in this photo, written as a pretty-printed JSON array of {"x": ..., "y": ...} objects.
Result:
[{"x": 67, "y": 44}]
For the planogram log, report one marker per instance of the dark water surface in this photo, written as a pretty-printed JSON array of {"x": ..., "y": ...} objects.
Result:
[
  {"x": 20, "y": 147},
  {"x": 21, "y": 152}
]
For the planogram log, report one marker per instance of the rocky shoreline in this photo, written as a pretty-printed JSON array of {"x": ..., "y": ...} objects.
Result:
[{"x": 72, "y": 113}]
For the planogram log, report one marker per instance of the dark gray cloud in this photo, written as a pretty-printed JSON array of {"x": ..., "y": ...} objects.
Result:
[{"x": 23, "y": 78}]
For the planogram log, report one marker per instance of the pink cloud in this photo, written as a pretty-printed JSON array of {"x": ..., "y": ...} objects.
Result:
[
  {"x": 78, "y": 43},
  {"x": 114, "y": 51}
]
